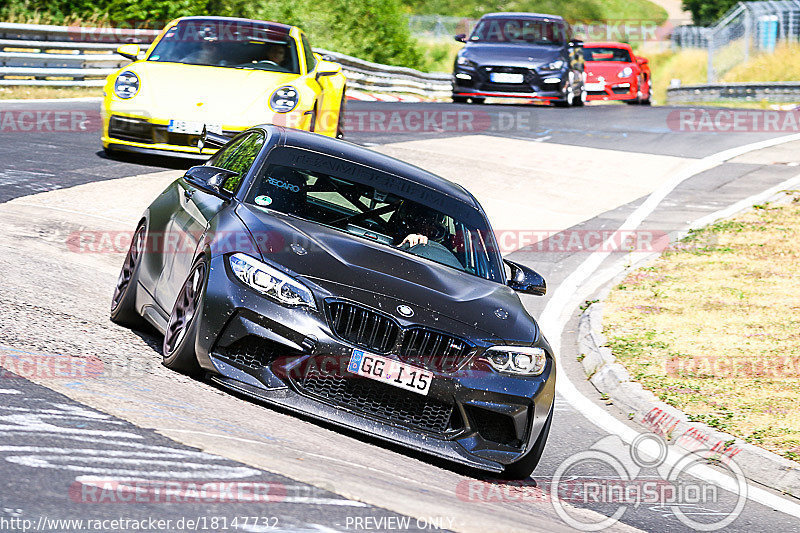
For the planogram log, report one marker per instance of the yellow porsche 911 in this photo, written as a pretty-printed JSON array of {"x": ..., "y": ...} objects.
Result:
[{"x": 224, "y": 74}]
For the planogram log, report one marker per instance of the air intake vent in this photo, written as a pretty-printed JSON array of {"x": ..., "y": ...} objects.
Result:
[{"x": 363, "y": 327}]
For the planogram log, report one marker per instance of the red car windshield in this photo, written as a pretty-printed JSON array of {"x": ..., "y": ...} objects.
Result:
[
  {"x": 222, "y": 44},
  {"x": 606, "y": 54}
]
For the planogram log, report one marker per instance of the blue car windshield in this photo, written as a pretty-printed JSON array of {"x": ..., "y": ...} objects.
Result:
[
  {"x": 227, "y": 44},
  {"x": 520, "y": 31}
]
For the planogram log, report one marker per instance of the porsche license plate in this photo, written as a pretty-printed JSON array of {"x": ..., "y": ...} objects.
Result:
[
  {"x": 390, "y": 372},
  {"x": 192, "y": 127},
  {"x": 504, "y": 77},
  {"x": 595, "y": 87}
]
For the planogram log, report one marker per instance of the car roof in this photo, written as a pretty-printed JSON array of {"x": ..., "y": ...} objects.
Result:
[
  {"x": 274, "y": 26},
  {"x": 515, "y": 14},
  {"x": 367, "y": 157}
]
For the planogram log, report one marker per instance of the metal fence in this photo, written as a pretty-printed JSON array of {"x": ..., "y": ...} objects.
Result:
[
  {"x": 747, "y": 28},
  {"x": 32, "y": 54},
  {"x": 787, "y": 91}
]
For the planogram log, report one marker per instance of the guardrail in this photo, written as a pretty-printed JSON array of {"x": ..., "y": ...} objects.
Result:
[
  {"x": 777, "y": 91},
  {"x": 72, "y": 56}
]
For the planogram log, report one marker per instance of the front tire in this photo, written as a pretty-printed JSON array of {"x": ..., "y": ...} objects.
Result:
[
  {"x": 459, "y": 99},
  {"x": 179, "y": 338},
  {"x": 523, "y": 468},
  {"x": 123, "y": 302}
]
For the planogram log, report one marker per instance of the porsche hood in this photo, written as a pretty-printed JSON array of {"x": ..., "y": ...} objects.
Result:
[{"x": 203, "y": 93}]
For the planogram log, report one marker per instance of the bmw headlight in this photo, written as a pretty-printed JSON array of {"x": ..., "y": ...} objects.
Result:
[
  {"x": 464, "y": 62},
  {"x": 271, "y": 281},
  {"x": 126, "y": 85},
  {"x": 624, "y": 73},
  {"x": 518, "y": 360},
  {"x": 558, "y": 64},
  {"x": 284, "y": 99}
]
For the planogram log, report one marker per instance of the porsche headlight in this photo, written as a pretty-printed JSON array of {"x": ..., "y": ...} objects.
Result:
[
  {"x": 518, "y": 360},
  {"x": 626, "y": 72},
  {"x": 284, "y": 99},
  {"x": 464, "y": 62},
  {"x": 126, "y": 85},
  {"x": 270, "y": 281},
  {"x": 558, "y": 64}
]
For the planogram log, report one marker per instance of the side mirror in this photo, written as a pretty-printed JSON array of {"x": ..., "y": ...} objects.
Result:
[
  {"x": 327, "y": 68},
  {"x": 210, "y": 178},
  {"x": 642, "y": 60},
  {"x": 211, "y": 140},
  {"x": 525, "y": 280},
  {"x": 129, "y": 51},
  {"x": 461, "y": 37}
]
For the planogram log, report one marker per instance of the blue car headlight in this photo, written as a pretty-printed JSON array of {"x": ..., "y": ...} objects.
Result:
[
  {"x": 126, "y": 85},
  {"x": 558, "y": 64},
  {"x": 464, "y": 62},
  {"x": 284, "y": 99},
  {"x": 270, "y": 281},
  {"x": 517, "y": 360}
]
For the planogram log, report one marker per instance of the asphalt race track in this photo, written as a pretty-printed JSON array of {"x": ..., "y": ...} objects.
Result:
[{"x": 134, "y": 421}]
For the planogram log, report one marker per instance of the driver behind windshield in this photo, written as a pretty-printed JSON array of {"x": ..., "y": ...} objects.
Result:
[{"x": 415, "y": 224}]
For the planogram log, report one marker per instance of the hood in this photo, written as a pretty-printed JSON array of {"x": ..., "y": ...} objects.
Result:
[
  {"x": 381, "y": 276},
  {"x": 513, "y": 55},
  {"x": 607, "y": 69},
  {"x": 201, "y": 93}
]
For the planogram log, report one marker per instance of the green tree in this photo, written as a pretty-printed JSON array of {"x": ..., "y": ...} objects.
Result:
[{"x": 707, "y": 12}]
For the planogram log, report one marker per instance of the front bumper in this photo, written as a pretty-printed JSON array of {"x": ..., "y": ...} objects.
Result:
[
  {"x": 293, "y": 358},
  {"x": 151, "y": 136},
  {"x": 477, "y": 82},
  {"x": 618, "y": 90}
]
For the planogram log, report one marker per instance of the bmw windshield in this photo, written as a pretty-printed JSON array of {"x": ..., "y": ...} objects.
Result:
[
  {"x": 379, "y": 207},
  {"x": 226, "y": 44}
]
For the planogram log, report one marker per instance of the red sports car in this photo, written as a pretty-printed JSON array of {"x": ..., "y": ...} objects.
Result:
[{"x": 613, "y": 72}]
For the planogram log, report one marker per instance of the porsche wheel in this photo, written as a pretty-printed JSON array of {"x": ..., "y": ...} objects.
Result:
[
  {"x": 179, "y": 338},
  {"x": 123, "y": 303},
  {"x": 523, "y": 468},
  {"x": 459, "y": 99}
]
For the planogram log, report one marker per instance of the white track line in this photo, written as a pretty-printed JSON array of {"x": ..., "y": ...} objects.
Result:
[{"x": 557, "y": 313}]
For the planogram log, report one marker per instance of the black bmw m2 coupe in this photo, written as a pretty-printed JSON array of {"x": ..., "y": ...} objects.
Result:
[{"x": 338, "y": 282}]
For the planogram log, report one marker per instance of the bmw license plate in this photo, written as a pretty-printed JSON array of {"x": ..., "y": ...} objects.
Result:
[
  {"x": 192, "y": 127},
  {"x": 595, "y": 87},
  {"x": 505, "y": 77},
  {"x": 390, "y": 372}
]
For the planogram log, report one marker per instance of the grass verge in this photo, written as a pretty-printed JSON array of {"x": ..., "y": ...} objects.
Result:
[{"x": 713, "y": 327}]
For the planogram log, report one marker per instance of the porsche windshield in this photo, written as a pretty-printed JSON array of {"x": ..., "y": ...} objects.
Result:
[
  {"x": 595, "y": 53},
  {"x": 395, "y": 213},
  {"x": 520, "y": 31},
  {"x": 224, "y": 44}
]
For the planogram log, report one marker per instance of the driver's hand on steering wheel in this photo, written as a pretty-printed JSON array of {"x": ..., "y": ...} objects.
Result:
[{"x": 414, "y": 239}]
